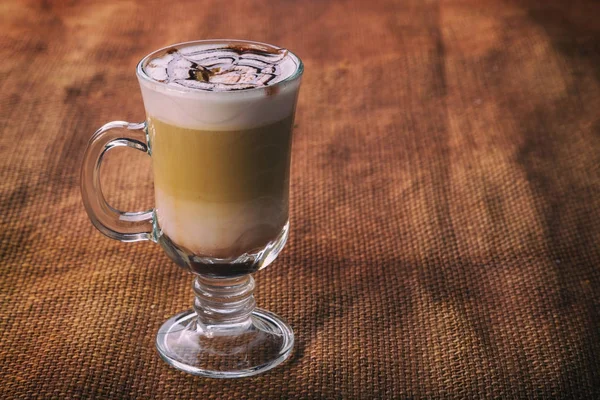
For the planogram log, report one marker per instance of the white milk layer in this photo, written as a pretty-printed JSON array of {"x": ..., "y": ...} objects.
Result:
[{"x": 221, "y": 229}]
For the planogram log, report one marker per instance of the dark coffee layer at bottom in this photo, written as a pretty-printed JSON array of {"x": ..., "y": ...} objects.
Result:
[{"x": 237, "y": 265}]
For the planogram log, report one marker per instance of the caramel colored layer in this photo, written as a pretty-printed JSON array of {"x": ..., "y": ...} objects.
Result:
[{"x": 221, "y": 166}]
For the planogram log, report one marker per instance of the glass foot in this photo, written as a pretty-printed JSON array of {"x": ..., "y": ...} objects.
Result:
[{"x": 258, "y": 345}]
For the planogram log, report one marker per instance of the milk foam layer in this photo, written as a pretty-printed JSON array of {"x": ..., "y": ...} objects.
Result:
[
  {"x": 221, "y": 67},
  {"x": 196, "y": 108}
]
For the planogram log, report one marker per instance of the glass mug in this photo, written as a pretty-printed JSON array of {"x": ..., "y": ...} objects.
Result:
[{"x": 221, "y": 164}]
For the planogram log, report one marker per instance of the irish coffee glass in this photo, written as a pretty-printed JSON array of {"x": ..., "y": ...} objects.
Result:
[{"x": 224, "y": 335}]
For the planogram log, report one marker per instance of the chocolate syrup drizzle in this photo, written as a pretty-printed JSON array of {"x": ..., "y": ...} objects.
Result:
[{"x": 228, "y": 68}]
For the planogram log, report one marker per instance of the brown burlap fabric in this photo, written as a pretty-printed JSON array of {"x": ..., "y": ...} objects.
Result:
[{"x": 446, "y": 201}]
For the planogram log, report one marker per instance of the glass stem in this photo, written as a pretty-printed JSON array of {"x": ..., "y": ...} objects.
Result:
[{"x": 223, "y": 305}]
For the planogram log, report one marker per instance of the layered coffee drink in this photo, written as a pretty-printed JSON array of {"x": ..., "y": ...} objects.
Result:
[{"x": 220, "y": 119}]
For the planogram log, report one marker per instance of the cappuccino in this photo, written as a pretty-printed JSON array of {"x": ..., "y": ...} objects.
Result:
[{"x": 219, "y": 130}]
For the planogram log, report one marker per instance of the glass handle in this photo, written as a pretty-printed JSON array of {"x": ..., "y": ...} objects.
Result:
[{"x": 116, "y": 224}]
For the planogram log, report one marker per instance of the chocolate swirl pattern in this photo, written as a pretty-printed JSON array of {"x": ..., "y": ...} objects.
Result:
[{"x": 225, "y": 68}]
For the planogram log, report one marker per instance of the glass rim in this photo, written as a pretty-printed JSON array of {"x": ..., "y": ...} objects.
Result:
[{"x": 141, "y": 73}]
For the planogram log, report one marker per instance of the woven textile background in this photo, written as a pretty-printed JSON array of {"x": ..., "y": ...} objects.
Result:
[{"x": 445, "y": 201}]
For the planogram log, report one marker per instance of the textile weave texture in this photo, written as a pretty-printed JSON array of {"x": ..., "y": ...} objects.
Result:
[{"x": 445, "y": 220}]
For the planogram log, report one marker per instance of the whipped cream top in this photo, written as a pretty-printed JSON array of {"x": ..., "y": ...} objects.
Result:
[{"x": 222, "y": 67}]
